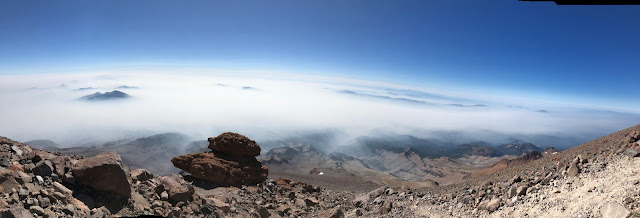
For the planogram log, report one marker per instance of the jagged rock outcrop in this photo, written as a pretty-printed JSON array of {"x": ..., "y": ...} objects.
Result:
[{"x": 231, "y": 162}]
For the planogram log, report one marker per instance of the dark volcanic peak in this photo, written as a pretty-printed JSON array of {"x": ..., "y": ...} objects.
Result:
[{"x": 105, "y": 96}]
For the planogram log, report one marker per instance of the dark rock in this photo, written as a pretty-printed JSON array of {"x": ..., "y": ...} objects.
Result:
[
  {"x": 141, "y": 175},
  {"x": 234, "y": 144},
  {"x": 221, "y": 169},
  {"x": 37, "y": 210},
  {"x": 515, "y": 179},
  {"x": 15, "y": 212},
  {"x": 69, "y": 209},
  {"x": 104, "y": 172},
  {"x": 263, "y": 212},
  {"x": 311, "y": 201},
  {"x": 43, "y": 168}
]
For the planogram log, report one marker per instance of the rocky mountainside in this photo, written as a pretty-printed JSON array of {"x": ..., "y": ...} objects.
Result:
[
  {"x": 153, "y": 152},
  {"x": 597, "y": 179},
  {"x": 396, "y": 161}
]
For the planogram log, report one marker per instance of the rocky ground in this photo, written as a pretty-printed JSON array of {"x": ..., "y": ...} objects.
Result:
[{"x": 597, "y": 179}]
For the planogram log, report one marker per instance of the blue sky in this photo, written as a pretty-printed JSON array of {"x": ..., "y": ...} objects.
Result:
[{"x": 587, "y": 54}]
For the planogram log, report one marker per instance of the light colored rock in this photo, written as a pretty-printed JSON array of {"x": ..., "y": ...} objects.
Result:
[
  {"x": 614, "y": 210},
  {"x": 61, "y": 188},
  {"x": 631, "y": 152}
]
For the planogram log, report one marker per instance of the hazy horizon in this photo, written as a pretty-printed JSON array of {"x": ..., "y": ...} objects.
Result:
[{"x": 483, "y": 70}]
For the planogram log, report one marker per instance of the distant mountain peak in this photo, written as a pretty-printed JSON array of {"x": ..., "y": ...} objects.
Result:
[{"x": 98, "y": 96}]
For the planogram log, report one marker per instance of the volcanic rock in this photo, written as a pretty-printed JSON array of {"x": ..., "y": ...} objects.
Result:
[
  {"x": 177, "y": 188},
  {"x": 8, "y": 181},
  {"x": 15, "y": 212},
  {"x": 141, "y": 175},
  {"x": 221, "y": 169},
  {"x": 231, "y": 163},
  {"x": 43, "y": 168},
  {"x": 234, "y": 144},
  {"x": 104, "y": 172}
]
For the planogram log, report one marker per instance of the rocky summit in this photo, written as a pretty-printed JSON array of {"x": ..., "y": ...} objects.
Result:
[{"x": 231, "y": 162}]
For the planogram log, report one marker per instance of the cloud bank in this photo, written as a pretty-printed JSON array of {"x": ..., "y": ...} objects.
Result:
[{"x": 203, "y": 105}]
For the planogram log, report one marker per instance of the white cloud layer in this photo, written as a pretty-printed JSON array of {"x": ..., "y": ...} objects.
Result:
[{"x": 202, "y": 105}]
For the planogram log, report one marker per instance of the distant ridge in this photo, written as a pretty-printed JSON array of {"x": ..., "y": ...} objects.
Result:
[{"x": 105, "y": 96}]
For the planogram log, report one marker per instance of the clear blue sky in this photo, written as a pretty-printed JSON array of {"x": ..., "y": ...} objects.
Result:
[{"x": 588, "y": 52}]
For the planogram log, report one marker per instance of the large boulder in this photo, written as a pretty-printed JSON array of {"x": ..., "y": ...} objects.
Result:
[
  {"x": 8, "y": 181},
  {"x": 222, "y": 169},
  {"x": 43, "y": 168},
  {"x": 177, "y": 188},
  {"x": 104, "y": 172},
  {"x": 234, "y": 144}
]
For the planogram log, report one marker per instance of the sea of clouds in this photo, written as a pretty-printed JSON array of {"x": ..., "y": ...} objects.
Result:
[{"x": 268, "y": 106}]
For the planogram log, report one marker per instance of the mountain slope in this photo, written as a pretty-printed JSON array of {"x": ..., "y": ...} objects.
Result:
[{"x": 153, "y": 152}]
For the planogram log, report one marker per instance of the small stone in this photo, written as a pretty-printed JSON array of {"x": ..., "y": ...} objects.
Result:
[
  {"x": 69, "y": 209},
  {"x": 164, "y": 196},
  {"x": 493, "y": 205},
  {"x": 311, "y": 201},
  {"x": 358, "y": 212},
  {"x": 37, "y": 210},
  {"x": 386, "y": 207},
  {"x": 40, "y": 180},
  {"x": 17, "y": 150},
  {"x": 522, "y": 190},
  {"x": 263, "y": 212},
  {"x": 61, "y": 188},
  {"x": 515, "y": 179},
  {"x": 60, "y": 197},
  {"x": 141, "y": 175}
]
